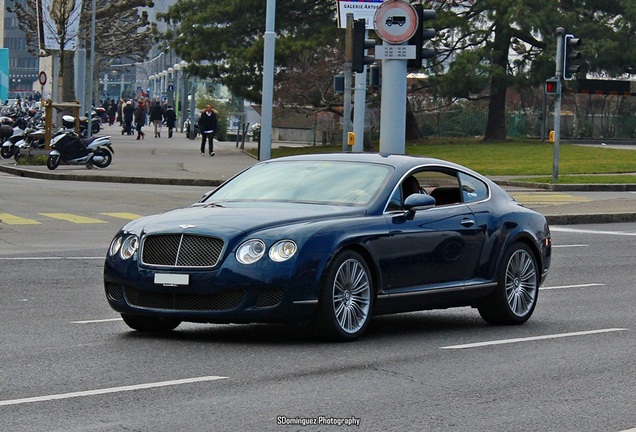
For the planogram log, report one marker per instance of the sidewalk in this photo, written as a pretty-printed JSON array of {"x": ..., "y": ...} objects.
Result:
[{"x": 178, "y": 161}]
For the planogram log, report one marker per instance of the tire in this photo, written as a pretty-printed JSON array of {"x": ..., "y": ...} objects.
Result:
[
  {"x": 52, "y": 162},
  {"x": 108, "y": 158},
  {"x": 95, "y": 128},
  {"x": 150, "y": 324},
  {"x": 6, "y": 152},
  {"x": 515, "y": 297},
  {"x": 346, "y": 299}
]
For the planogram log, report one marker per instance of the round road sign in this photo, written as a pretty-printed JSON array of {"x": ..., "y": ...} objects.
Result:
[
  {"x": 395, "y": 21},
  {"x": 42, "y": 78}
]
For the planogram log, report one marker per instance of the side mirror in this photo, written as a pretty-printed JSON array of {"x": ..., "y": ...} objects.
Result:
[{"x": 418, "y": 202}]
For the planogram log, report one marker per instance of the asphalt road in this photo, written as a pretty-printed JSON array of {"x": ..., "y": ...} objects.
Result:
[{"x": 70, "y": 364}]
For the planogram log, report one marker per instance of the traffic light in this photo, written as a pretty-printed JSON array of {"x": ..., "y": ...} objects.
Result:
[
  {"x": 571, "y": 56},
  {"x": 360, "y": 43},
  {"x": 552, "y": 86},
  {"x": 421, "y": 36}
]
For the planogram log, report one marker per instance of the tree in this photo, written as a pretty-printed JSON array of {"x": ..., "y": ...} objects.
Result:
[
  {"x": 223, "y": 39},
  {"x": 121, "y": 30}
]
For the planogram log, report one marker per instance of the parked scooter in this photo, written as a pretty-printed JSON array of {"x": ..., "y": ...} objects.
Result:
[{"x": 70, "y": 148}]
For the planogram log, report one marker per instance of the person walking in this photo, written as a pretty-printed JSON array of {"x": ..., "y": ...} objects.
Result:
[
  {"x": 207, "y": 127},
  {"x": 140, "y": 119},
  {"x": 171, "y": 117},
  {"x": 156, "y": 117},
  {"x": 128, "y": 112}
]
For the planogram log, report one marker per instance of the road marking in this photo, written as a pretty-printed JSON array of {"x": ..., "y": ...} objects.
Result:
[
  {"x": 570, "y": 246},
  {"x": 548, "y": 198},
  {"x": 49, "y": 258},
  {"x": 73, "y": 218},
  {"x": 586, "y": 231},
  {"x": 16, "y": 220},
  {"x": 96, "y": 321},
  {"x": 572, "y": 286},
  {"x": 109, "y": 390},
  {"x": 127, "y": 216},
  {"x": 533, "y": 338}
]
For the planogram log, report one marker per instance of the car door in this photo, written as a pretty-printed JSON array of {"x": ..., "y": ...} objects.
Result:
[{"x": 433, "y": 247}]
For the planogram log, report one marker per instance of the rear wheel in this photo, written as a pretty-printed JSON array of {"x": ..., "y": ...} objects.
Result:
[
  {"x": 515, "y": 298},
  {"x": 53, "y": 161},
  {"x": 346, "y": 298},
  {"x": 107, "y": 158},
  {"x": 150, "y": 324}
]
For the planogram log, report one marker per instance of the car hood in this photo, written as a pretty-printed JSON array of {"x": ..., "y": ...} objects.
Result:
[{"x": 230, "y": 219}]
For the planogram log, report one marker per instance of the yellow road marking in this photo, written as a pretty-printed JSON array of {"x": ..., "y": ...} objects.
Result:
[
  {"x": 16, "y": 220},
  {"x": 548, "y": 198},
  {"x": 73, "y": 218},
  {"x": 127, "y": 216}
]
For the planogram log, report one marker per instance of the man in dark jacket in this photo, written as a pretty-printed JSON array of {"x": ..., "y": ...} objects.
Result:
[
  {"x": 171, "y": 118},
  {"x": 128, "y": 112},
  {"x": 207, "y": 126}
]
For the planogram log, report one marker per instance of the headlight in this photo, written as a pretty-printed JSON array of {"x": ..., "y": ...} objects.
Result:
[
  {"x": 282, "y": 250},
  {"x": 250, "y": 251},
  {"x": 129, "y": 247},
  {"x": 114, "y": 246}
]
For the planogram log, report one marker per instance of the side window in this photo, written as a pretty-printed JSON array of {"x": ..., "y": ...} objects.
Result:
[
  {"x": 441, "y": 184},
  {"x": 473, "y": 189}
]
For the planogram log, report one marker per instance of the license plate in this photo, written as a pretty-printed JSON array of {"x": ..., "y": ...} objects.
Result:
[{"x": 172, "y": 279}]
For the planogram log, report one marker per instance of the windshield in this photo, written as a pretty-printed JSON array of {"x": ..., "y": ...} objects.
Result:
[{"x": 320, "y": 182}]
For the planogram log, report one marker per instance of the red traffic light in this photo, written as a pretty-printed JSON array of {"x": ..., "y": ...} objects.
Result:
[{"x": 551, "y": 87}]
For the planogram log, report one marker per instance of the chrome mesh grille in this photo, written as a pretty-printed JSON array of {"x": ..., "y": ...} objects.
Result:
[
  {"x": 224, "y": 301},
  {"x": 181, "y": 250}
]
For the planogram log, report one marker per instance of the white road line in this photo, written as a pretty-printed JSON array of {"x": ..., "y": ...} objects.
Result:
[
  {"x": 572, "y": 286},
  {"x": 50, "y": 258},
  {"x": 109, "y": 390},
  {"x": 96, "y": 321},
  {"x": 570, "y": 246},
  {"x": 533, "y": 338},
  {"x": 586, "y": 231}
]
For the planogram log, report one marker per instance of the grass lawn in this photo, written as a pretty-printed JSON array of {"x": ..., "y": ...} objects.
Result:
[{"x": 528, "y": 158}]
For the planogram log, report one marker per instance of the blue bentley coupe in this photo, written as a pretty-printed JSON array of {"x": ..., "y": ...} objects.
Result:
[{"x": 329, "y": 241}]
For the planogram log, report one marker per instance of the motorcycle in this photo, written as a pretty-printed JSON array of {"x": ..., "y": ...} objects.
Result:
[
  {"x": 186, "y": 126},
  {"x": 70, "y": 148}
]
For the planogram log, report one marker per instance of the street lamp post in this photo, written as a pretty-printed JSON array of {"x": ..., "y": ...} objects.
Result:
[
  {"x": 177, "y": 90},
  {"x": 184, "y": 97}
]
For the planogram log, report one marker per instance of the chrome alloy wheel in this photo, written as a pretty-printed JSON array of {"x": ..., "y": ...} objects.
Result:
[
  {"x": 521, "y": 283},
  {"x": 351, "y": 296}
]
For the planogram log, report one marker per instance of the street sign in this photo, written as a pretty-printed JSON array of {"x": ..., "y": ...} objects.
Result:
[
  {"x": 395, "y": 52},
  {"x": 361, "y": 9},
  {"x": 42, "y": 78},
  {"x": 395, "y": 21}
]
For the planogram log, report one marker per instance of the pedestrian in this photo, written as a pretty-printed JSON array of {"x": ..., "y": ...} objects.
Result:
[
  {"x": 140, "y": 119},
  {"x": 112, "y": 111},
  {"x": 128, "y": 113},
  {"x": 120, "y": 112},
  {"x": 171, "y": 117},
  {"x": 207, "y": 127},
  {"x": 156, "y": 117}
]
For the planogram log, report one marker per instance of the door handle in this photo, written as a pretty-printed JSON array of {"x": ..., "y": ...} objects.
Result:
[{"x": 467, "y": 222}]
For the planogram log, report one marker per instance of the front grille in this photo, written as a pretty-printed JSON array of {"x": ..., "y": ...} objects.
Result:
[
  {"x": 184, "y": 302},
  {"x": 181, "y": 250}
]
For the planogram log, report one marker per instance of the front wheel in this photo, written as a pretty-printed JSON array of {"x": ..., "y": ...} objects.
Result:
[
  {"x": 150, "y": 324},
  {"x": 6, "y": 152},
  {"x": 346, "y": 298},
  {"x": 95, "y": 128},
  {"x": 515, "y": 297},
  {"x": 53, "y": 161},
  {"x": 106, "y": 158}
]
